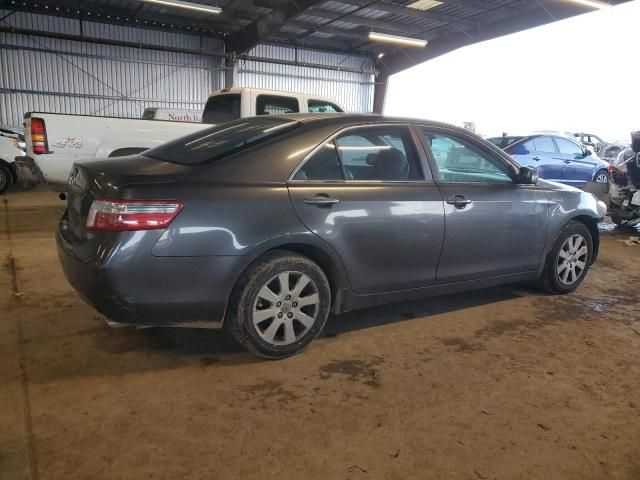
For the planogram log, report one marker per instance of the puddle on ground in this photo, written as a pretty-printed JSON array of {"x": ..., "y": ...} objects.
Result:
[{"x": 355, "y": 370}]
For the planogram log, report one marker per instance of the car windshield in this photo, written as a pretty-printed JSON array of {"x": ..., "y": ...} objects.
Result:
[
  {"x": 503, "y": 141},
  {"x": 221, "y": 141}
]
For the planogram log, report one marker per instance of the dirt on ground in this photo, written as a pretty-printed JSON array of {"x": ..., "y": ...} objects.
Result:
[{"x": 505, "y": 383}]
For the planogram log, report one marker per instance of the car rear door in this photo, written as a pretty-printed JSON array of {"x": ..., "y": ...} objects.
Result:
[
  {"x": 494, "y": 226},
  {"x": 579, "y": 169},
  {"x": 369, "y": 194},
  {"x": 548, "y": 160}
]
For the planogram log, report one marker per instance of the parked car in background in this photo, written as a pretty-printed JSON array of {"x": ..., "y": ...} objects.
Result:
[
  {"x": 12, "y": 146},
  {"x": 265, "y": 225},
  {"x": 607, "y": 151},
  {"x": 56, "y": 141},
  {"x": 556, "y": 158}
]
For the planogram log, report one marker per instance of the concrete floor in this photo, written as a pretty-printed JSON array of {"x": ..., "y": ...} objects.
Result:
[{"x": 506, "y": 383}]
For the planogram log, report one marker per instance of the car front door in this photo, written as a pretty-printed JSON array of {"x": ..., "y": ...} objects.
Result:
[
  {"x": 494, "y": 226},
  {"x": 579, "y": 168},
  {"x": 369, "y": 194}
]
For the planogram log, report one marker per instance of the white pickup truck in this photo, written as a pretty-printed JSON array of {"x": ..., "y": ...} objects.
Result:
[
  {"x": 56, "y": 141},
  {"x": 12, "y": 146}
]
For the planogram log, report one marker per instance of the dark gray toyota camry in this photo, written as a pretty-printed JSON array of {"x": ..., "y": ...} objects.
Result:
[{"x": 266, "y": 225}]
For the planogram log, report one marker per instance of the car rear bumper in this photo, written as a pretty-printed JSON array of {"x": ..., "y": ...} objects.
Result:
[{"x": 143, "y": 290}]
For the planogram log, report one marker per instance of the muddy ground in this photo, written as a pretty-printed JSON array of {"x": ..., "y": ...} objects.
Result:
[{"x": 506, "y": 383}]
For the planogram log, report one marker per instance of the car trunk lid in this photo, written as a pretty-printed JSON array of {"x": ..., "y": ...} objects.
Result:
[{"x": 109, "y": 179}]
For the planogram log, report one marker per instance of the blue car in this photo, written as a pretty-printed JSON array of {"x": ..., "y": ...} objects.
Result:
[{"x": 556, "y": 158}]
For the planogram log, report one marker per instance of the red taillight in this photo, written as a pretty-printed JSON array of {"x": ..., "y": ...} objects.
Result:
[
  {"x": 126, "y": 215},
  {"x": 39, "y": 136}
]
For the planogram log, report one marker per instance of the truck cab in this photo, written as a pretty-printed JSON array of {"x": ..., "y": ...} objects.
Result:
[{"x": 232, "y": 103}]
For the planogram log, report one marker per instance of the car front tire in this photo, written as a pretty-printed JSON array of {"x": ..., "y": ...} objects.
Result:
[
  {"x": 569, "y": 260},
  {"x": 280, "y": 305}
]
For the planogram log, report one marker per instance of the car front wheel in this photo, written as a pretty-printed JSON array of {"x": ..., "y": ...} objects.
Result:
[
  {"x": 280, "y": 305},
  {"x": 569, "y": 260},
  {"x": 601, "y": 176}
]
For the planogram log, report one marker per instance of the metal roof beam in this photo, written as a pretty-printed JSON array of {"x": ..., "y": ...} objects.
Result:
[
  {"x": 365, "y": 21},
  {"x": 260, "y": 30}
]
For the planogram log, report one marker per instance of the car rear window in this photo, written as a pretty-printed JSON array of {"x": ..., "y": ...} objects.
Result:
[
  {"x": 222, "y": 108},
  {"x": 222, "y": 140}
]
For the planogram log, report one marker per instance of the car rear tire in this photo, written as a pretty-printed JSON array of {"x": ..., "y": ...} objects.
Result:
[
  {"x": 569, "y": 260},
  {"x": 6, "y": 178},
  {"x": 601, "y": 176},
  {"x": 280, "y": 305}
]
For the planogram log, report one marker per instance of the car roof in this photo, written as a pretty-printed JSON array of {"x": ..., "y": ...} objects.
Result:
[{"x": 359, "y": 118}]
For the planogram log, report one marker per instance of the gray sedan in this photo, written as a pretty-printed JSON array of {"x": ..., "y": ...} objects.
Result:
[{"x": 266, "y": 225}]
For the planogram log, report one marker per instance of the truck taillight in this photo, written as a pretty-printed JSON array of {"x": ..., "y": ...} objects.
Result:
[
  {"x": 116, "y": 215},
  {"x": 39, "y": 136}
]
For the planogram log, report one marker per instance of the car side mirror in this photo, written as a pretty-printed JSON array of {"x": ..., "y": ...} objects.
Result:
[
  {"x": 528, "y": 176},
  {"x": 586, "y": 153}
]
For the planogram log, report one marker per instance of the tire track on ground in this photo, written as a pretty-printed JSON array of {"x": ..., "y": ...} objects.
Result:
[{"x": 22, "y": 359}]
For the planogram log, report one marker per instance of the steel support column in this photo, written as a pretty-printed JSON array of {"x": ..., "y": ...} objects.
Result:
[{"x": 380, "y": 92}]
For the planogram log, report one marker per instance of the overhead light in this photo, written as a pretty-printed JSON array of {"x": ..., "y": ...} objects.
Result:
[
  {"x": 424, "y": 4},
  {"x": 592, "y": 3},
  {"x": 198, "y": 7},
  {"x": 385, "y": 37}
]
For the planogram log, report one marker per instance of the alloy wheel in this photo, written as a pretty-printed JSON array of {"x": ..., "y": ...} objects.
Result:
[
  {"x": 572, "y": 259},
  {"x": 285, "y": 308},
  {"x": 602, "y": 178}
]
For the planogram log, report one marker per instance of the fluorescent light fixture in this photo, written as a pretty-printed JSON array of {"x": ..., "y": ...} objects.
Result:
[
  {"x": 592, "y": 3},
  {"x": 385, "y": 37},
  {"x": 198, "y": 7},
  {"x": 424, "y": 4}
]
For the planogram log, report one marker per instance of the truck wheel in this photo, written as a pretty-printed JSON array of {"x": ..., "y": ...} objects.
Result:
[
  {"x": 279, "y": 305},
  {"x": 619, "y": 221},
  {"x": 6, "y": 178},
  {"x": 569, "y": 260}
]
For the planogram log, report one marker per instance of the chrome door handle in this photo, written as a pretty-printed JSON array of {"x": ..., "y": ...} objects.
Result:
[
  {"x": 537, "y": 159},
  {"x": 458, "y": 201},
  {"x": 321, "y": 201}
]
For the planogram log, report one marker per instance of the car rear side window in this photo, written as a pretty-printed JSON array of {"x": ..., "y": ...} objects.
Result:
[
  {"x": 276, "y": 105},
  {"x": 544, "y": 144},
  {"x": 384, "y": 153},
  {"x": 321, "y": 106},
  {"x": 222, "y": 108},
  {"x": 222, "y": 140},
  {"x": 323, "y": 165}
]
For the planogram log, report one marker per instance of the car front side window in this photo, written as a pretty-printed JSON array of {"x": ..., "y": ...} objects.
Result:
[
  {"x": 458, "y": 161},
  {"x": 567, "y": 147}
]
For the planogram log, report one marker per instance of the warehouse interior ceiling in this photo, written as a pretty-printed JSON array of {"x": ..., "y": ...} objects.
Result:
[{"x": 329, "y": 25}]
